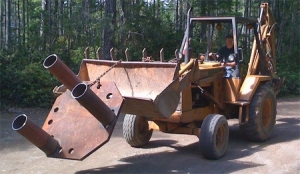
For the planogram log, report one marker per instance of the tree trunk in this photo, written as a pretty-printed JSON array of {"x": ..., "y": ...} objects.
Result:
[
  {"x": 14, "y": 25},
  {"x": 236, "y": 6},
  {"x": 246, "y": 14},
  {"x": 50, "y": 24},
  {"x": 43, "y": 24},
  {"x": 86, "y": 15},
  {"x": 176, "y": 15},
  {"x": 69, "y": 45},
  {"x": 203, "y": 13},
  {"x": 108, "y": 34},
  {"x": 27, "y": 16},
  {"x": 154, "y": 8},
  {"x": 8, "y": 24},
  {"x": 180, "y": 16},
  {"x": 24, "y": 24},
  {"x": 61, "y": 18},
  {"x": 1, "y": 25},
  {"x": 55, "y": 17},
  {"x": 19, "y": 24},
  {"x": 158, "y": 10}
]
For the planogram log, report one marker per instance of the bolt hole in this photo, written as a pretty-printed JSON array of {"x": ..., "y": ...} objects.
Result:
[
  {"x": 109, "y": 96},
  {"x": 113, "y": 110},
  {"x": 56, "y": 109},
  {"x": 50, "y": 122},
  {"x": 71, "y": 151}
]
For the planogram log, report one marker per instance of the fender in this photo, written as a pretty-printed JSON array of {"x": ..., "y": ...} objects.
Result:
[{"x": 250, "y": 85}]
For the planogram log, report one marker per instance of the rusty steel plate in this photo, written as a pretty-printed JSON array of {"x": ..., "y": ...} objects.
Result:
[{"x": 78, "y": 132}]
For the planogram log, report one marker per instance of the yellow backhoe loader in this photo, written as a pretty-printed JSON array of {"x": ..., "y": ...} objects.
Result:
[{"x": 188, "y": 95}]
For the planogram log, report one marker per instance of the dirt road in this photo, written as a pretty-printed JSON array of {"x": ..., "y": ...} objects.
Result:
[{"x": 166, "y": 153}]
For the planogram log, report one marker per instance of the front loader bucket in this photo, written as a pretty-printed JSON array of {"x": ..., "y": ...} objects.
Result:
[{"x": 149, "y": 88}]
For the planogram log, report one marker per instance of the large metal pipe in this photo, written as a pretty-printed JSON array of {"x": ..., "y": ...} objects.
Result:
[
  {"x": 61, "y": 71},
  {"x": 36, "y": 135},
  {"x": 88, "y": 99}
]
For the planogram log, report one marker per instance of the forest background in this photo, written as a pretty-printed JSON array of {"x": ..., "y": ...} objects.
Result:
[{"x": 31, "y": 30}]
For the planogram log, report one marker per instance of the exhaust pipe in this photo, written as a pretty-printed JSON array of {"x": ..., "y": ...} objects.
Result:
[
  {"x": 88, "y": 99},
  {"x": 61, "y": 71},
  {"x": 36, "y": 135}
]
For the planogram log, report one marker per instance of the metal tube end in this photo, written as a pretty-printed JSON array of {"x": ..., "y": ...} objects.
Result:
[
  {"x": 79, "y": 90},
  {"x": 50, "y": 61},
  {"x": 19, "y": 122},
  {"x": 36, "y": 135},
  {"x": 90, "y": 101}
]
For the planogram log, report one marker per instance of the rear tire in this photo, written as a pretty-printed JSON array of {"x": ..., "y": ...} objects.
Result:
[
  {"x": 136, "y": 130},
  {"x": 214, "y": 136},
  {"x": 262, "y": 115}
]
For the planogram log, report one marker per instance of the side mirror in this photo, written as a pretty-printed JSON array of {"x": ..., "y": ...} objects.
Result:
[{"x": 240, "y": 55}]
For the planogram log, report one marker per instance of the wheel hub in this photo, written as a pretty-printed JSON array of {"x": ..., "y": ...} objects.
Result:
[
  {"x": 267, "y": 113},
  {"x": 220, "y": 137}
]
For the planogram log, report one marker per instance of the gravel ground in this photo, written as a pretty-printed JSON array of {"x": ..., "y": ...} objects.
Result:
[{"x": 166, "y": 153}]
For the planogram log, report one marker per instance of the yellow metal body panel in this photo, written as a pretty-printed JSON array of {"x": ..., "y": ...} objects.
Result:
[
  {"x": 250, "y": 85},
  {"x": 207, "y": 76},
  {"x": 231, "y": 89}
]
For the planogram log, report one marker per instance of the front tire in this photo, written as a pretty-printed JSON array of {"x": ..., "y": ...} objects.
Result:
[
  {"x": 136, "y": 130},
  {"x": 214, "y": 136},
  {"x": 262, "y": 115}
]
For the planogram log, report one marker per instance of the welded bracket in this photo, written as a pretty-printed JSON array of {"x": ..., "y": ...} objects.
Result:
[{"x": 78, "y": 132}]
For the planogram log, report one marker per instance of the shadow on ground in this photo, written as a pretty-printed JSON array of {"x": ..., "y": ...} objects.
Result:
[
  {"x": 188, "y": 158},
  {"x": 181, "y": 159},
  {"x": 177, "y": 158}
]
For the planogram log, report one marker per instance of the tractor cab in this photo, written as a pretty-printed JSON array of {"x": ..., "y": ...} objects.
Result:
[{"x": 205, "y": 36}]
